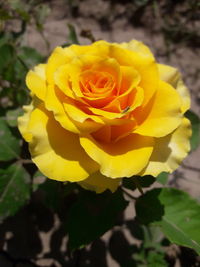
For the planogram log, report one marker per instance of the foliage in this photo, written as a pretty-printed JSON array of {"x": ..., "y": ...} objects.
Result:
[
  {"x": 177, "y": 214},
  {"x": 15, "y": 190},
  {"x": 96, "y": 214},
  {"x": 195, "y": 139}
]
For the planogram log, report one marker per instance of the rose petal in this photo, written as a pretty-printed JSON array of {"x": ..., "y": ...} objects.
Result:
[
  {"x": 23, "y": 122},
  {"x": 99, "y": 183},
  {"x": 126, "y": 102},
  {"x": 59, "y": 57},
  {"x": 36, "y": 81},
  {"x": 126, "y": 157},
  {"x": 52, "y": 103},
  {"x": 77, "y": 114},
  {"x": 56, "y": 151},
  {"x": 137, "y": 47},
  {"x": 170, "y": 150},
  {"x": 163, "y": 116},
  {"x": 130, "y": 78},
  {"x": 173, "y": 76},
  {"x": 97, "y": 48},
  {"x": 62, "y": 80},
  {"x": 145, "y": 66}
]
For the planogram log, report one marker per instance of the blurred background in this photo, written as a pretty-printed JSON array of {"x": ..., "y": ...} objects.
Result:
[{"x": 29, "y": 31}]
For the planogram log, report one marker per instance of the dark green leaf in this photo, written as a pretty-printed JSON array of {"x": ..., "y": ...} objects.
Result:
[
  {"x": 175, "y": 212},
  {"x": 195, "y": 139},
  {"x": 145, "y": 181},
  {"x": 135, "y": 181},
  {"x": 162, "y": 178},
  {"x": 92, "y": 215},
  {"x": 14, "y": 190},
  {"x": 4, "y": 15},
  {"x": 51, "y": 190},
  {"x": 10, "y": 146},
  {"x": 4, "y": 38},
  {"x": 129, "y": 183},
  {"x": 6, "y": 52}
]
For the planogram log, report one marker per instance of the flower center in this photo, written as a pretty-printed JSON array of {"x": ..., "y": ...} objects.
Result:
[{"x": 95, "y": 83}]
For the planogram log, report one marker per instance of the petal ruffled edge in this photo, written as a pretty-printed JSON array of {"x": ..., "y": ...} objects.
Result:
[
  {"x": 124, "y": 158},
  {"x": 56, "y": 151},
  {"x": 164, "y": 114},
  {"x": 170, "y": 150},
  {"x": 173, "y": 76},
  {"x": 137, "y": 47},
  {"x": 36, "y": 81}
]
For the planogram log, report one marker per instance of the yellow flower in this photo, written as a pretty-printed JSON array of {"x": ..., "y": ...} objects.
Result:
[{"x": 103, "y": 112}]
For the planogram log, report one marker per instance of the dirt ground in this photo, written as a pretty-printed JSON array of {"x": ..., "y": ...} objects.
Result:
[{"x": 112, "y": 21}]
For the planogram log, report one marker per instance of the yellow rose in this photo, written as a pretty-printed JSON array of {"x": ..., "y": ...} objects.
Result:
[{"x": 105, "y": 111}]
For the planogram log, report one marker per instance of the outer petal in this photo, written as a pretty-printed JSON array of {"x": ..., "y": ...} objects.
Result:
[
  {"x": 23, "y": 122},
  {"x": 172, "y": 76},
  {"x": 138, "y": 47},
  {"x": 97, "y": 48},
  {"x": 99, "y": 183},
  {"x": 57, "y": 152},
  {"x": 169, "y": 151},
  {"x": 163, "y": 116},
  {"x": 126, "y": 157},
  {"x": 59, "y": 57},
  {"x": 36, "y": 81}
]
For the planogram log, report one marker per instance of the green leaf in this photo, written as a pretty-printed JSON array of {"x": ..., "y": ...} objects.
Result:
[
  {"x": 129, "y": 183},
  {"x": 145, "y": 181},
  {"x": 14, "y": 190},
  {"x": 12, "y": 115},
  {"x": 156, "y": 259},
  {"x": 29, "y": 56},
  {"x": 4, "y": 37},
  {"x": 92, "y": 215},
  {"x": 162, "y": 178},
  {"x": 72, "y": 36},
  {"x": 175, "y": 212},
  {"x": 52, "y": 196},
  {"x": 135, "y": 181},
  {"x": 10, "y": 146},
  {"x": 42, "y": 11},
  {"x": 6, "y": 52},
  {"x": 4, "y": 15},
  {"x": 195, "y": 121}
]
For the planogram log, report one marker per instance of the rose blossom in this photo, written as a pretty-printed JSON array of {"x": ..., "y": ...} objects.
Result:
[{"x": 105, "y": 111}]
